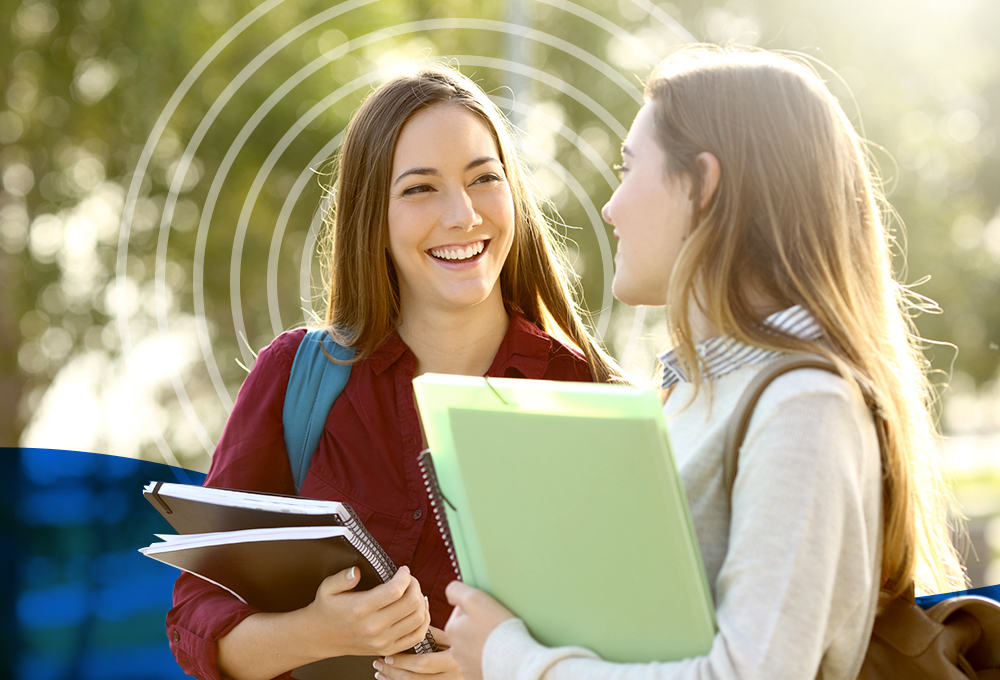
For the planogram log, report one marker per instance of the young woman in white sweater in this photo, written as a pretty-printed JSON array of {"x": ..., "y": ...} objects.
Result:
[{"x": 748, "y": 206}]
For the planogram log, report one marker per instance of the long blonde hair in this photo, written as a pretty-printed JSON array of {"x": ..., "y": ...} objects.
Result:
[
  {"x": 363, "y": 291},
  {"x": 798, "y": 218}
]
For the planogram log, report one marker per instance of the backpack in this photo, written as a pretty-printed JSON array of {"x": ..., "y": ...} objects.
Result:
[
  {"x": 956, "y": 639},
  {"x": 314, "y": 384}
]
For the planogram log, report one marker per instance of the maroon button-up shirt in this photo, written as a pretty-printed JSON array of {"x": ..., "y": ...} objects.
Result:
[{"x": 367, "y": 457}]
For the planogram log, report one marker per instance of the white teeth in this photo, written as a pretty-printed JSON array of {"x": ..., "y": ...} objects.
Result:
[{"x": 469, "y": 251}]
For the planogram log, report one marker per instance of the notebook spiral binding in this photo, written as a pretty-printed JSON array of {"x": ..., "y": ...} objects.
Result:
[
  {"x": 372, "y": 550},
  {"x": 437, "y": 505},
  {"x": 383, "y": 564}
]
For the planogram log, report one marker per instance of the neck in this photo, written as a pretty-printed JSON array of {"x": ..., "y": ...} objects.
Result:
[
  {"x": 462, "y": 342},
  {"x": 703, "y": 328}
]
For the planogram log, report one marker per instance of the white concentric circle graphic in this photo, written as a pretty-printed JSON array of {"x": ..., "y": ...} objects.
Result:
[{"x": 292, "y": 239}]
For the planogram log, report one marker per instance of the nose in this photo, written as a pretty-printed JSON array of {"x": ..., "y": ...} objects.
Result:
[
  {"x": 461, "y": 212},
  {"x": 606, "y": 213}
]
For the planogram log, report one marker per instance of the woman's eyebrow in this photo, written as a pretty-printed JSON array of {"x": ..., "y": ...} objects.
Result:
[
  {"x": 482, "y": 160},
  {"x": 417, "y": 171}
]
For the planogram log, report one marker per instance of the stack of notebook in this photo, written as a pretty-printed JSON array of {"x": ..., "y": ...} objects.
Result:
[{"x": 269, "y": 551}]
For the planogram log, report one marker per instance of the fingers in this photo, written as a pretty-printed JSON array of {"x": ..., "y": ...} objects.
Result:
[
  {"x": 408, "y": 631},
  {"x": 408, "y": 600},
  {"x": 383, "y": 595},
  {"x": 390, "y": 618},
  {"x": 398, "y": 626},
  {"x": 474, "y": 602},
  {"x": 453, "y": 622},
  {"x": 458, "y": 594},
  {"x": 417, "y": 666},
  {"x": 340, "y": 582}
]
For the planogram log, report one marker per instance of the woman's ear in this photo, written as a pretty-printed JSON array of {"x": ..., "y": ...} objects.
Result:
[{"x": 708, "y": 166}]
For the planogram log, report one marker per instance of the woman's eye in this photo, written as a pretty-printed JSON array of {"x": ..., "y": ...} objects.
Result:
[
  {"x": 620, "y": 170},
  {"x": 488, "y": 177},
  {"x": 417, "y": 189}
]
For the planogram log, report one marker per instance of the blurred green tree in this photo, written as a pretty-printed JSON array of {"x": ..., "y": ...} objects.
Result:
[{"x": 94, "y": 90}]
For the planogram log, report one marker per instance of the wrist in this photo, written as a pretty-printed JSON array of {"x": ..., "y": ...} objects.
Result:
[
  {"x": 264, "y": 645},
  {"x": 311, "y": 630}
]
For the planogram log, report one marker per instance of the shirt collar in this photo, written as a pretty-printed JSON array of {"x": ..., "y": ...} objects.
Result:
[
  {"x": 723, "y": 354},
  {"x": 388, "y": 353},
  {"x": 525, "y": 348}
]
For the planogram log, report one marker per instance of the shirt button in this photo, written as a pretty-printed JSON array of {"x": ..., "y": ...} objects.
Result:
[
  {"x": 417, "y": 514},
  {"x": 177, "y": 636}
]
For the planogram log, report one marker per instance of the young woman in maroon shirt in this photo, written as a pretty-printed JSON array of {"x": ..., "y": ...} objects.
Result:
[{"x": 441, "y": 261}]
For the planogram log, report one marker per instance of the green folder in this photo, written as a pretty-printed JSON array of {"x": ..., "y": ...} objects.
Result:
[{"x": 563, "y": 501}]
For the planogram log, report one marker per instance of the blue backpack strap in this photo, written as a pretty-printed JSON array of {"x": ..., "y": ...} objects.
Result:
[{"x": 314, "y": 384}]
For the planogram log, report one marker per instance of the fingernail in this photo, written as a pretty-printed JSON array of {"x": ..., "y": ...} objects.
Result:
[
  {"x": 350, "y": 573},
  {"x": 379, "y": 676},
  {"x": 406, "y": 568},
  {"x": 427, "y": 602},
  {"x": 388, "y": 660},
  {"x": 376, "y": 665}
]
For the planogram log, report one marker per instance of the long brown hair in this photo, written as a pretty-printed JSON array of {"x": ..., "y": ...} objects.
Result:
[
  {"x": 798, "y": 218},
  {"x": 363, "y": 290}
]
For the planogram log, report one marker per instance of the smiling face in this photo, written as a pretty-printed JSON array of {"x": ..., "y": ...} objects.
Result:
[
  {"x": 451, "y": 215},
  {"x": 651, "y": 212}
]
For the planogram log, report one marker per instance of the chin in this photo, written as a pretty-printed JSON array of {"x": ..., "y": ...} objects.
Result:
[
  {"x": 623, "y": 294},
  {"x": 466, "y": 301},
  {"x": 635, "y": 298},
  {"x": 469, "y": 293}
]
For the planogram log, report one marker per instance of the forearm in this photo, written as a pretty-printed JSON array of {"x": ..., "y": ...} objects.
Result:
[
  {"x": 266, "y": 645},
  {"x": 387, "y": 619},
  {"x": 511, "y": 653}
]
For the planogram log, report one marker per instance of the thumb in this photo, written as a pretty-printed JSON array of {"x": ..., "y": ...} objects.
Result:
[
  {"x": 457, "y": 593},
  {"x": 341, "y": 581}
]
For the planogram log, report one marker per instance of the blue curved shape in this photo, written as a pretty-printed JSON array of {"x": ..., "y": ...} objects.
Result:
[
  {"x": 991, "y": 592},
  {"x": 77, "y": 599}
]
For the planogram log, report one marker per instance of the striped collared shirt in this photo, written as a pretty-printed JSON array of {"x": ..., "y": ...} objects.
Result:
[{"x": 723, "y": 354}]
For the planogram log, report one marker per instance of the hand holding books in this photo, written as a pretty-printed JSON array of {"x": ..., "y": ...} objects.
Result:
[
  {"x": 316, "y": 631},
  {"x": 441, "y": 665},
  {"x": 309, "y": 561},
  {"x": 475, "y": 616},
  {"x": 388, "y": 619}
]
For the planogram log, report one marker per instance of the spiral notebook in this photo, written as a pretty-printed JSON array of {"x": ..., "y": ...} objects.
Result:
[
  {"x": 563, "y": 501},
  {"x": 271, "y": 551}
]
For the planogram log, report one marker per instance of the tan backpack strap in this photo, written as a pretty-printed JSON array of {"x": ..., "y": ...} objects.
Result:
[{"x": 740, "y": 420}]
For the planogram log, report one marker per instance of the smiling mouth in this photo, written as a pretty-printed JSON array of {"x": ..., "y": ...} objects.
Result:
[{"x": 466, "y": 253}]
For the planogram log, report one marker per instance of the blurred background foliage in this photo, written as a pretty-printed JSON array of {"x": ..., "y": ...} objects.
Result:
[{"x": 205, "y": 124}]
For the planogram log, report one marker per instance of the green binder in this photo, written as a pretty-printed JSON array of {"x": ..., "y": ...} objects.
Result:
[{"x": 563, "y": 501}]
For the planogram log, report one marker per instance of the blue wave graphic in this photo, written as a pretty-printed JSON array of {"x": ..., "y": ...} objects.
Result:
[{"x": 80, "y": 602}]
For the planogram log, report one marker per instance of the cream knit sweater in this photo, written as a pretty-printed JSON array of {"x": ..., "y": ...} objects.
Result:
[{"x": 794, "y": 574}]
